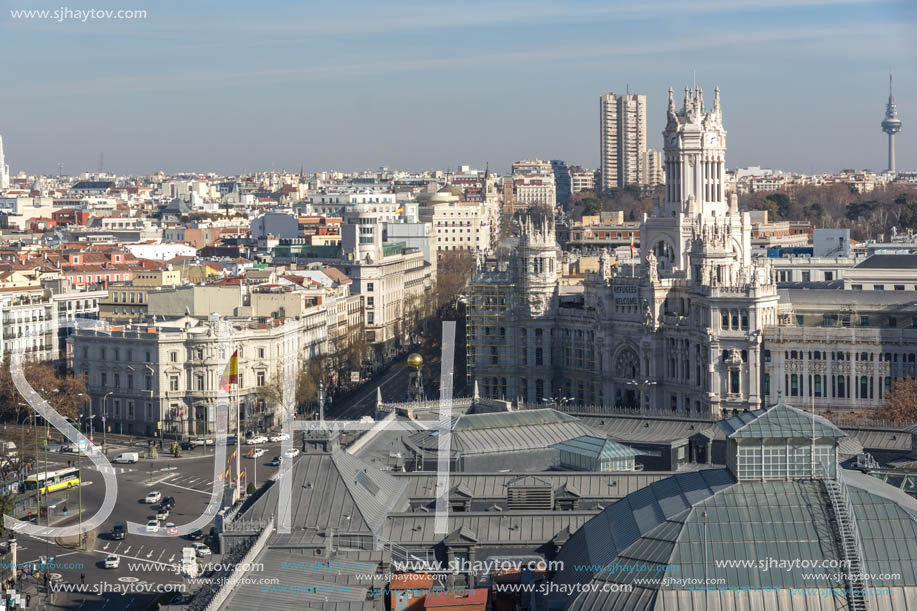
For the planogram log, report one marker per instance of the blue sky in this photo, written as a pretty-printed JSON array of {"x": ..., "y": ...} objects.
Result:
[{"x": 231, "y": 86}]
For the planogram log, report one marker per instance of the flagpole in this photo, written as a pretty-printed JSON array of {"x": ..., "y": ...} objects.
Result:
[{"x": 238, "y": 438}]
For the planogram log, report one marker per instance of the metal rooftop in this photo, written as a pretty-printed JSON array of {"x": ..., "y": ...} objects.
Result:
[
  {"x": 779, "y": 421},
  {"x": 596, "y": 447}
]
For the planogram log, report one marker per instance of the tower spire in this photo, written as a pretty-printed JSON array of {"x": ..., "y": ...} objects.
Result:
[{"x": 892, "y": 124}]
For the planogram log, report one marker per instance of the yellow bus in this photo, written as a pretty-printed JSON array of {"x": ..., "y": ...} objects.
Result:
[{"x": 53, "y": 480}]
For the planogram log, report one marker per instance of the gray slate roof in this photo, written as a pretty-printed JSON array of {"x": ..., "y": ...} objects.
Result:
[
  {"x": 335, "y": 491},
  {"x": 517, "y": 528},
  {"x": 506, "y": 432},
  {"x": 903, "y": 261},
  {"x": 778, "y": 421},
  {"x": 647, "y": 429},
  {"x": 422, "y": 485},
  {"x": 312, "y": 575}
]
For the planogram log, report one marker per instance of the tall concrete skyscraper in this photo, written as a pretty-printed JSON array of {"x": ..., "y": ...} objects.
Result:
[
  {"x": 891, "y": 125},
  {"x": 4, "y": 169},
  {"x": 622, "y": 125}
]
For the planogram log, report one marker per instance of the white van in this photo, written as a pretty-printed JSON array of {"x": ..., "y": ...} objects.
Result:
[{"x": 127, "y": 457}]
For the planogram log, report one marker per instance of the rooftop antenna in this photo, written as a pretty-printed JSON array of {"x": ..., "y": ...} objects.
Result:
[
  {"x": 60, "y": 169},
  {"x": 695, "y": 79},
  {"x": 101, "y": 162}
]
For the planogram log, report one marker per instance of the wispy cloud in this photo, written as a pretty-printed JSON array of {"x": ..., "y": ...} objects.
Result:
[{"x": 697, "y": 41}]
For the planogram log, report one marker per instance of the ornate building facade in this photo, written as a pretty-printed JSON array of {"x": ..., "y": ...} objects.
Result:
[{"x": 683, "y": 332}]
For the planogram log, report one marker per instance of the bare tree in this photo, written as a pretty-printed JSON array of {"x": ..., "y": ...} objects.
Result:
[
  {"x": 454, "y": 270},
  {"x": 902, "y": 402}
]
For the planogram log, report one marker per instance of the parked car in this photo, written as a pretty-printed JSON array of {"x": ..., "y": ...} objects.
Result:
[
  {"x": 171, "y": 529},
  {"x": 153, "y": 497},
  {"x": 197, "y": 535},
  {"x": 112, "y": 561},
  {"x": 257, "y": 453},
  {"x": 280, "y": 437},
  {"x": 152, "y": 526},
  {"x": 291, "y": 453},
  {"x": 230, "y": 440},
  {"x": 187, "y": 445},
  {"x": 201, "y": 550},
  {"x": 168, "y": 502},
  {"x": 162, "y": 514},
  {"x": 202, "y": 441},
  {"x": 119, "y": 531},
  {"x": 276, "y": 461}
]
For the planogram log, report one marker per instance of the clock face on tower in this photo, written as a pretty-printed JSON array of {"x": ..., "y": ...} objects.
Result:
[
  {"x": 712, "y": 139},
  {"x": 673, "y": 139}
]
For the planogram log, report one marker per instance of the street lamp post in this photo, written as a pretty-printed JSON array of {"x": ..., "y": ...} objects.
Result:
[
  {"x": 642, "y": 386},
  {"x": 47, "y": 495},
  {"x": 79, "y": 456},
  {"x": 104, "y": 414}
]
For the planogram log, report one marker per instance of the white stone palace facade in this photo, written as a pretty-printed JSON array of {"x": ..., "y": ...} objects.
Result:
[
  {"x": 700, "y": 327},
  {"x": 684, "y": 330}
]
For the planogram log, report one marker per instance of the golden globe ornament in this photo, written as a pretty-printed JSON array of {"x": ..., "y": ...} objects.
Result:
[{"x": 415, "y": 361}]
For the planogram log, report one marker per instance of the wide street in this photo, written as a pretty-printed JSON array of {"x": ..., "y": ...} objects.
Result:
[
  {"x": 147, "y": 560},
  {"x": 144, "y": 559}
]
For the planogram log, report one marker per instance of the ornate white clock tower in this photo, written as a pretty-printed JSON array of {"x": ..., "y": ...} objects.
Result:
[{"x": 695, "y": 186}]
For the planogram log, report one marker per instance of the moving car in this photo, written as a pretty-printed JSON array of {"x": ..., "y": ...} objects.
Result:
[
  {"x": 153, "y": 497},
  {"x": 187, "y": 445},
  {"x": 171, "y": 529},
  {"x": 201, "y": 550},
  {"x": 257, "y": 439},
  {"x": 280, "y": 437},
  {"x": 127, "y": 458},
  {"x": 168, "y": 502},
  {"x": 112, "y": 561},
  {"x": 276, "y": 461},
  {"x": 202, "y": 441},
  {"x": 291, "y": 453},
  {"x": 162, "y": 514},
  {"x": 152, "y": 526},
  {"x": 119, "y": 531},
  {"x": 197, "y": 535},
  {"x": 257, "y": 453}
]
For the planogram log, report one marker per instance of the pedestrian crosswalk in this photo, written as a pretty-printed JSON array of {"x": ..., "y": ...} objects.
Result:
[{"x": 195, "y": 483}]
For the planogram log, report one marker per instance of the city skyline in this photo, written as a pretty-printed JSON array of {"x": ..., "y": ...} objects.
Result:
[{"x": 418, "y": 87}]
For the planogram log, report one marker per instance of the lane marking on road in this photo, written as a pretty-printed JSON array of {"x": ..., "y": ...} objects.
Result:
[
  {"x": 150, "y": 555},
  {"x": 171, "y": 566},
  {"x": 161, "y": 554},
  {"x": 172, "y": 557},
  {"x": 159, "y": 481},
  {"x": 207, "y": 492}
]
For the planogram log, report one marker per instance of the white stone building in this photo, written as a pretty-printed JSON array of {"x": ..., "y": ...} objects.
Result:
[
  {"x": 165, "y": 377},
  {"x": 683, "y": 333},
  {"x": 702, "y": 327}
]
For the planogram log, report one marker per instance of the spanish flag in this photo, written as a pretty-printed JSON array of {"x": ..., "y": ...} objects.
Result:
[
  {"x": 231, "y": 374},
  {"x": 233, "y": 455},
  {"x": 631, "y": 246},
  {"x": 226, "y": 475}
]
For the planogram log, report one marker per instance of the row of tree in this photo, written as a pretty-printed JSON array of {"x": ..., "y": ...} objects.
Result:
[
  {"x": 65, "y": 392},
  {"x": 867, "y": 215}
]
